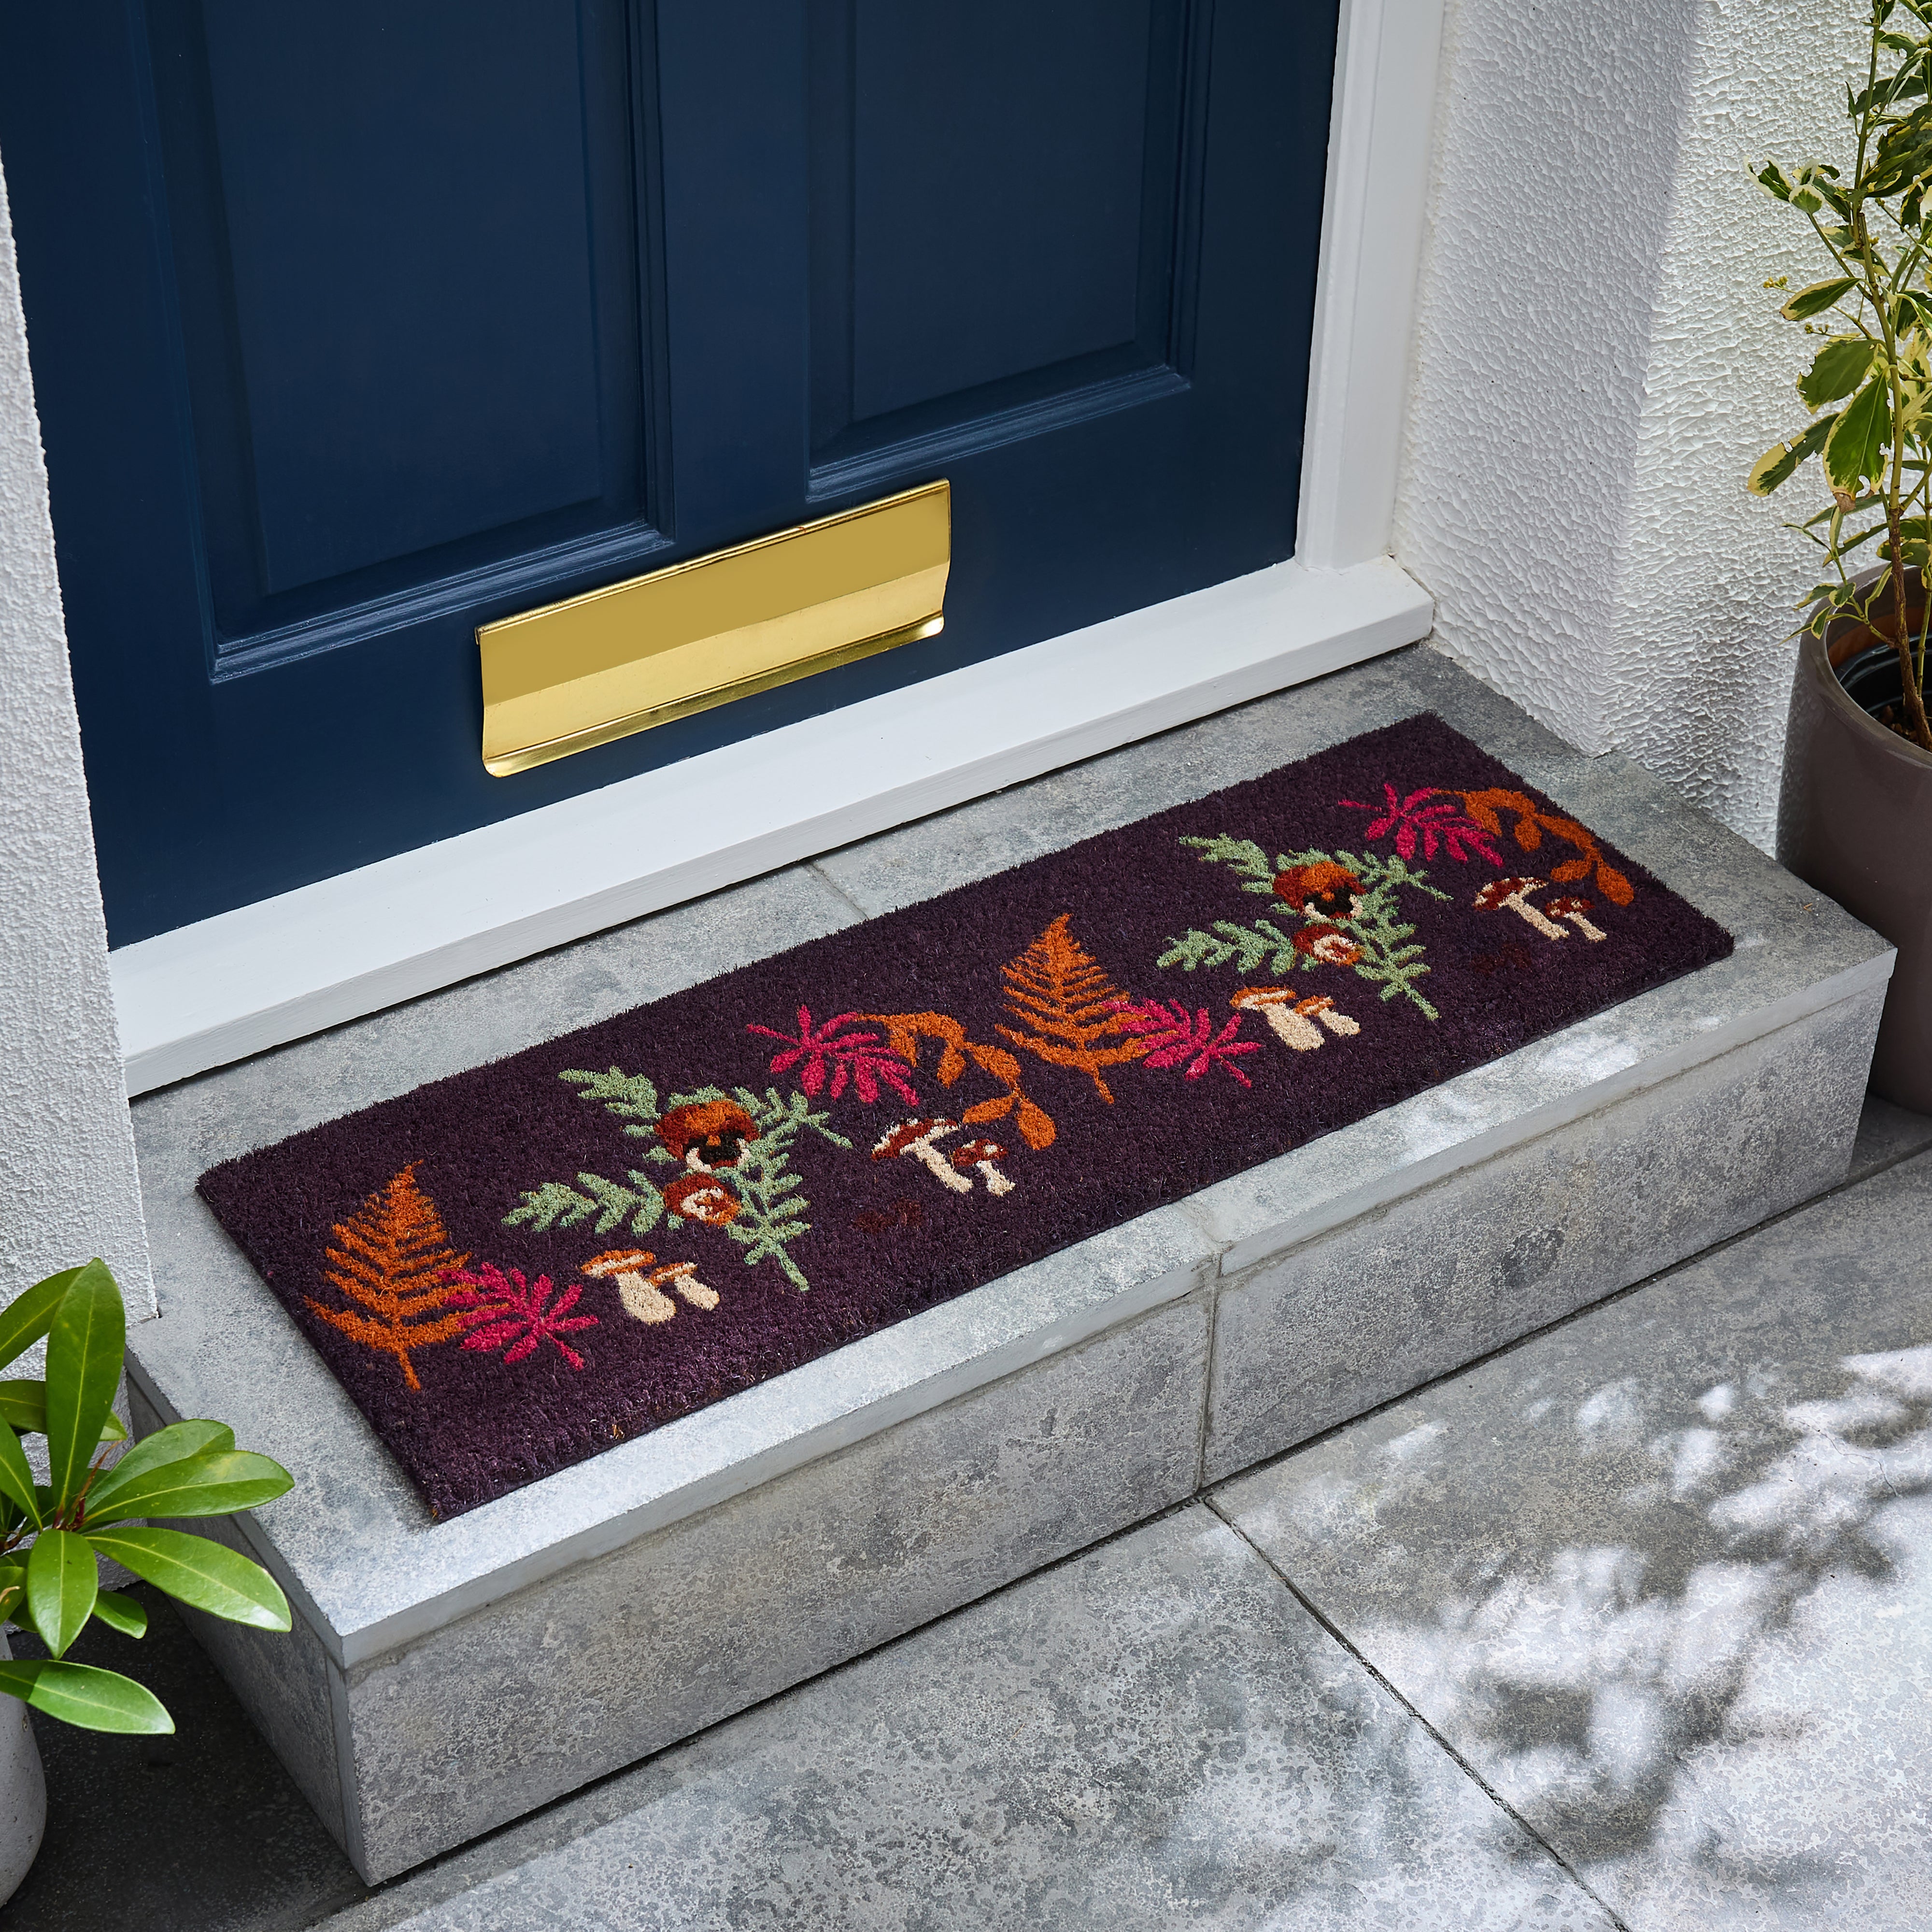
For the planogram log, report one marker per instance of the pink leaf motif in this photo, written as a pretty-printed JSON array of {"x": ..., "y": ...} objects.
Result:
[
  {"x": 506, "y": 1307},
  {"x": 1173, "y": 1036},
  {"x": 1412, "y": 820},
  {"x": 859, "y": 1056}
]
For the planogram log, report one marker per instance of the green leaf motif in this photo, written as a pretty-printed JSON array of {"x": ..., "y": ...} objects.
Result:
[
  {"x": 1836, "y": 369},
  {"x": 88, "y": 1699},
  {"x": 1860, "y": 438},
  {"x": 1817, "y": 298},
  {"x": 209, "y": 1575},
  {"x": 62, "y": 1581},
  {"x": 557, "y": 1204},
  {"x": 85, "y": 1347},
  {"x": 629, "y": 1096}
]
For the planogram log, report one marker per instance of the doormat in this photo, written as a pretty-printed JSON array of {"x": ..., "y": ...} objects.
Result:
[{"x": 517, "y": 1267}]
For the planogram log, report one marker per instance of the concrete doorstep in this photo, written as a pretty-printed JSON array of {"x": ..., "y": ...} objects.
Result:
[{"x": 445, "y": 1679}]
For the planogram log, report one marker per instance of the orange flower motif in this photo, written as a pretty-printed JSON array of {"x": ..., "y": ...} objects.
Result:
[
  {"x": 701, "y": 1197},
  {"x": 1325, "y": 887},
  {"x": 1329, "y": 944}
]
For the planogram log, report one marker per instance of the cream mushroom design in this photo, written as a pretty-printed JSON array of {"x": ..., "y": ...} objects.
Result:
[
  {"x": 643, "y": 1294},
  {"x": 1507, "y": 895},
  {"x": 1576, "y": 911},
  {"x": 1292, "y": 1020},
  {"x": 919, "y": 1140},
  {"x": 980, "y": 1153}
]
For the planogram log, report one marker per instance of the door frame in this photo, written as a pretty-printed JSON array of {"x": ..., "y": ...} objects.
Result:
[{"x": 228, "y": 987}]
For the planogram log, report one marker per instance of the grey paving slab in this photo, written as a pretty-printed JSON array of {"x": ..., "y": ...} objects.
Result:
[
  {"x": 1154, "y": 1734},
  {"x": 1665, "y": 1574},
  {"x": 1887, "y": 1134}
]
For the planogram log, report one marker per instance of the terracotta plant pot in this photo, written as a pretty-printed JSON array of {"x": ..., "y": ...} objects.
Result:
[
  {"x": 1854, "y": 820},
  {"x": 23, "y": 1791}
]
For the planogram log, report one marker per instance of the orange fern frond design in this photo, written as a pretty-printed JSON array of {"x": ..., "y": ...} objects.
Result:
[
  {"x": 393, "y": 1256},
  {"x": 1532, "y": 822},
  {"x": 1058, "y": 989},
  {"x": 904, "y": 1030}
]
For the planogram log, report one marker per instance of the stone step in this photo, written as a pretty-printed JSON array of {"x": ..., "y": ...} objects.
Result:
[{"x": 445, "y": 1677}]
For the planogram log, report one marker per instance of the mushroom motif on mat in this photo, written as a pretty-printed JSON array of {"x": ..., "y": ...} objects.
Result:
[
  {"x": 920, "y": 1139},
  {"x": 707, "y": 1134},
  {"x": 1574, "y": 911},
  {"x": 1325, "y": 889},
  {"x": 981, "y": 1153},
  {"x": 643, "y": 1294},
  {"x": 701, "y": 1197},
  {"x": 1292, "y": 1020},
  {"x": 1501, "y": 894}
]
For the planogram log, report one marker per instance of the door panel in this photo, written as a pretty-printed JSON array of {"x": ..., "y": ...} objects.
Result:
[{"x": 355, "y": 327}]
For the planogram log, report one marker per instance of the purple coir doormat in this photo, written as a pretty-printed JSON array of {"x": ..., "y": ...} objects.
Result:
[{"x": 515, "y": 1268}]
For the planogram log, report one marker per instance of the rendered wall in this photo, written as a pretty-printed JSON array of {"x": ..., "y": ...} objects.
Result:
[
  {"x": 1597, "y": 366},
  {"x": 67, "y": 1183}
]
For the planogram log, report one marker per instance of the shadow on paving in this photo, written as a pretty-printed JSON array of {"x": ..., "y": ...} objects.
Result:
[{"x": 201, "y": 1831}]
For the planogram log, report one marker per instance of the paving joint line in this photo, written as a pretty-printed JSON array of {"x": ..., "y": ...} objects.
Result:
[
  {"x": 832, "y": 885},
  {"x": 1475, "y": 1777}
]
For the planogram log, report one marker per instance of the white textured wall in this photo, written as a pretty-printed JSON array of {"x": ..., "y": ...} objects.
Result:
[
  {"x": 67, "y": 1183},
  {"x": 1598, "y": 365}
]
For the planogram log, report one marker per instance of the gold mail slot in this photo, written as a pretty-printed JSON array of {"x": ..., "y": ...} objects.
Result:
[{"x": 632, "y": 655}]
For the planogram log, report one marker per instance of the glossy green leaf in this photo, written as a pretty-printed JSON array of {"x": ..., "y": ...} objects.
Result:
[
  {"x": 62, "y": 1581},
  {"x": 1861, "y": 439},
  {"x": 13, "y": 1580},
  {"x": 85, "y": 1347},
  {"x": 80, "y": 1695},
  {"x": 176, "y": 1442},
  {"x": 1778, "y": 462},
  {"x": 196, "y": 1486},
  {"x": 1838, "y": 369},
  {"x": 16, "y": 1479},
  {"x": 24, "y": 1404},
  {"x": 31, "y": 1314},
  {"x": 122, "y": 1613},
  {"x": 1815, "y": 298},
  {"x": 207, "y": 1575}
]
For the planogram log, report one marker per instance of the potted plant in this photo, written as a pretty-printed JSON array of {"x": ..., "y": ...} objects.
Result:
[
  {"x": 1857, "y": 795},
  {"x": 53, "y": 1534}
]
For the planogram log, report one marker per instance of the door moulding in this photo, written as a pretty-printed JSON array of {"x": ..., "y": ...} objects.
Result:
[
  {"x": 266, "y": 974},
  {"x": 263, "y": 974}
]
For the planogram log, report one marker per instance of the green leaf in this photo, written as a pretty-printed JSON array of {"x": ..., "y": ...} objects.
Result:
[
  {"x": 1817, "y": 297},
  {"x": 12, "y": 1577},
  {"x": 62, "y": 1581},
  {"x": 24, "y": 1404},
  {"x": 176, "y": 1442},
  {"x": 91, "y": 1699},
  {"x": 195, "y": 1485},
  {"x": 1838, "y": 369},
  {"x": 1859, "y": 443},
  {"x": 31, "y": 1314},
  {"x": 122, "y": 1613},
  {"x": 207, "y": 1575},
  {"x": 1771, "y": 178},
  {"x": 16, "y": 1479},
  {"x": 1778, "y": 462},
  {"x": 85, "y": 1347}
]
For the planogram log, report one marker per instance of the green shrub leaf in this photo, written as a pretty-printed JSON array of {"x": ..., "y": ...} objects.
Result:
[
  {"x": 196, "y": 1486},
  {"x": 79, "y": 1694},
  {"x": 176, "y": 1443},
  {"x": 1857, "y": 446},
  {"x": 24, "y": 1404},
  {"x": 85, "y": 1347},
  {"x": 1778, "y": 462},
  {"x": 1817, "y": 298},
  {"x": 207, "y": 1575},
  {"x": 31, "y": 1314},
  {"x": 1838, "y": 368},
  {"x": 16, "y": 1479},
  {"x": 122, "y": 1613},
  {"x": 62, "y": 1581}
]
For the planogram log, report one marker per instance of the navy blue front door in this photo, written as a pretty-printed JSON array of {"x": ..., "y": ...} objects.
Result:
[{"x": 354, "y": 325}]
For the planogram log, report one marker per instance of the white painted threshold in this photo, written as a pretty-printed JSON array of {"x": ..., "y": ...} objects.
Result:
[{"x": 227, "y": 987}]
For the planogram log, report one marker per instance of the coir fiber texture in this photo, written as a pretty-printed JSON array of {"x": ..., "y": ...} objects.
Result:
[{"x": 517, "y": 1267}]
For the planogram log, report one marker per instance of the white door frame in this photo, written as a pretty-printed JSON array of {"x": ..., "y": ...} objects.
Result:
[{"x": 228, "y": 987}]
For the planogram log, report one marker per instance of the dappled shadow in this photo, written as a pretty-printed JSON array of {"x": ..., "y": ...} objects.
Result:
[{"x": 1606, "y": 1627}]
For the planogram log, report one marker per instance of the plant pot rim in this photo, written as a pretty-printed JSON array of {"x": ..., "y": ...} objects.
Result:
[{"x": 1882, "y": 737}]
